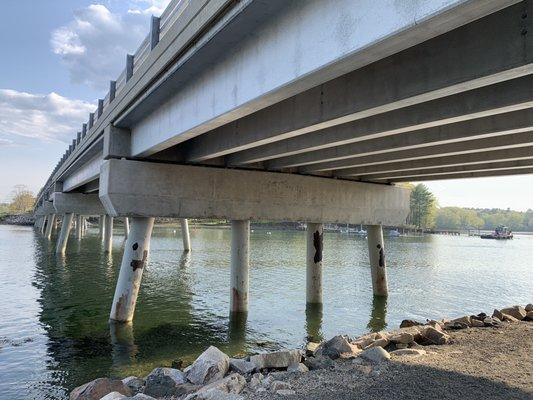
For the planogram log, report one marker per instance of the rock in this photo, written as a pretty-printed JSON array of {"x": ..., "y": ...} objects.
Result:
[
  {"x": 496, "y": 313},
  {"x": 517, "y": 312},
  {"x": 476, "y": 323},
  {"x": 378, "y": 343},
  {"x": 257, "y": 381},
  {"x": 231, "y": 384},
  {"x": 285, "y": 392},
  {"x": 375, "y": 354},
  {"x": 463, "y": 320},
  {"x": 491, "y": 321},
  {"x": 311, "y": 348},
  {"x": 402, "y": 338},
  {"x": 438, "y": 325},
  {"x": 319, "y": 362},
  {"x": 529, "y": 307},
  {"x": 113, "y": 396},
  {"x": 135, "y": 384},
  {"x": 408, "y": 352},
  {"x": 163, "y": 382},
  {"x": 338, "y": 345},
  {"x": 297, "y": 368},
  {"x": 278, "y": 359},
  {"x": 279, "y": 385},
  {"x": 98, "y": 388},
  {"x": 434, "y": 336},
  {"x": 215, "y": 394},
  {"x": 241, "y": 366},
  {"x": 529, "y": 316},
  {"x": 406, "y": 323},
  {"x": 141, "y": 396},
  {"x": 509, "y": 318},
  {"x": 455, "y": 326},
  {"x": 209, "y": 367}
]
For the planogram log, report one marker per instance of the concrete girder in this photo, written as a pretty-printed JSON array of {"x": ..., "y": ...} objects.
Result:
[
  {"x": 508, "y": 141},
  {"x": 84, "y": 174},
  {"x": 479, "y": 174},
  {"x": 135, "y": 188},
  {"x": 77, "y": 203},
  {"x": 504, "y": 97},
  {"x": 522, "y": 153},
  {"x": 432, "y": 121},
  {"x": 495, "y": 166},
  {"x": 484, "y": 52},
  {"x": 46, "y": 208}
]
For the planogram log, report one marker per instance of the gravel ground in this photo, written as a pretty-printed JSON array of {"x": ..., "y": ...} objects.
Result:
[{"x": 481, "y": 363}]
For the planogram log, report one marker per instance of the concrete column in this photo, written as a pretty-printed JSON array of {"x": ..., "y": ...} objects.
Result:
[
  {"x": 108, "y": 241},
  {"x": 126, "y": 227},
  {"x": 240, "y": 244},
  {"x": 83, "y": 226},
  {"x": 44, "y": 223},
  {"x": 79, "y": 227},
  {"x": 66, "y": 225},
  {"x": 50, "y": 226},
  {"x": 376, "y": 250},
  {"x": 134, "y": 259},
  {"x": 101, "y": 227},
  {"x": 185, "y": 234},
  {"x": 315, "y": 245}
]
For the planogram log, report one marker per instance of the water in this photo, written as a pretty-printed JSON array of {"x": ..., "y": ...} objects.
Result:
[{"x": 54, "y": 333}]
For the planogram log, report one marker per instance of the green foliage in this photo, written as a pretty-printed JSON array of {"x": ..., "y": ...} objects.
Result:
[
  {"x": 23, "y": 200},
  {"x": 423, "y": 206},
  {"x": 468, "y": 218}
]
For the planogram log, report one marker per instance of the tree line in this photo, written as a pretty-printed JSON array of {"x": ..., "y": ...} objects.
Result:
[
  {"x": 425, "y": 213},
  {"x": 22, "y": 201}
]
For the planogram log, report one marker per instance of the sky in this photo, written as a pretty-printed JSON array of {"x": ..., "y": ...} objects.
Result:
[{"x": 57, "y": 57}]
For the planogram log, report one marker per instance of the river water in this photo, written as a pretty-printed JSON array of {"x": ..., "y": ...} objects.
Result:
[{"x": 54, "y": 331}]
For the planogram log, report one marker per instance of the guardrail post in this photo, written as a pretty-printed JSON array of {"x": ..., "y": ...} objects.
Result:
[
  {"x": 129, "y": 66},
  {"x": 100, "y": 107},
  {"x": 78, "y": 138},
  {"x": 154, "y": 32},
  {"x": 112, "y": 90},
  {"x": 83, "y": 130},
  {"x": 91, "y": 120}
]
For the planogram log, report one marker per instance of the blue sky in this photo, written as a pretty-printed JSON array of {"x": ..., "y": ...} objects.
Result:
[{"x": 57, "y": 59}]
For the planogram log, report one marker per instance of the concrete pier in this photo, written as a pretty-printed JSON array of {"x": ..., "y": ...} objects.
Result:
[
  {"x": 314, "y": 263},
  {"x": 66, "y": 225},
  {"x": 108, "y": 234},
  {"x": 134, "y": 260},
  {"x": 101, "y": 227},
  {"x": 126, "y": 227},
  {"x": 43, "y": 224},
  {"x": 50, "y": 226},
  {"x": 376, "y": 250},
  {"x": 240, "y": 249},
  {"x": 79, "y": 227},
  {"x": 185, "y": 234}
]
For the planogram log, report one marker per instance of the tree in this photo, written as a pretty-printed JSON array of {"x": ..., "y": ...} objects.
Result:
[
  {"x": 423, "y": 206},
  {"x": 23, "y": 200}
]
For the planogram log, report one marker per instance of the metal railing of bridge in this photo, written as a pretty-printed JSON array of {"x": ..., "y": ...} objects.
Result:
[{"x": 159, "y": 28}]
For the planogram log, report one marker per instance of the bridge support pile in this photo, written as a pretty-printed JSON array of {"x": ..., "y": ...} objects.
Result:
[{"x": 240, "y": 255}]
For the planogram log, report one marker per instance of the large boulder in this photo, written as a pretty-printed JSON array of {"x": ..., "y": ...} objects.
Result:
[
  {"x": 401, "y": 337},
  {"x": 297, "y": 368},
  {"x": 466, "y": 320},
  {"x": 135, "y": 384},
  {"x": 98, "y": 388},
  {"x": 241, "y": 366},
  {"x": 407, "y": 323},
  {"x": 114, "y": 396},
  {"x": 433, "y": 336},
  {"x": 517, "y": 312},
  {"x": 163, "y": 382},
  {"x": 529, "y": 307},
  {"x": 319, "y": 362},
  {"x": 497, "y": 314},
  {"x": 339, "y": 346},
  {"x": 230, "y": 385},
  {"x": 529, "y": 316},
  {"x": 209, "y": 367},
  {"x": 375, "y": 354},
  {"x": 278, "y": 359}
]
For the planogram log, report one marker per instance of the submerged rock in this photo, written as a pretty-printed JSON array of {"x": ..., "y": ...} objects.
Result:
[
  {"x": 210, "y": 366},
  {"x": 163, "y": 382},
  {"x": 278, "y": 359},
  {"x": 98, "y": 388}
]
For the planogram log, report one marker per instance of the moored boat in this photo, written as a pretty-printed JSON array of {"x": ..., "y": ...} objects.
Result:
[{"x": 500, "y": 233}]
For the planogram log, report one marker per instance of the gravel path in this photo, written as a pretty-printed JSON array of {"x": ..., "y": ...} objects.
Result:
[{"x": 481, "y": 363}]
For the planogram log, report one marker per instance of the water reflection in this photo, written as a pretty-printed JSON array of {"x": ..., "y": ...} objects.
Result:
[
  {"x": 378, "y": 315},
  {"x": 123, "y": 342},
  {"x": 313, "y": 322},
  {"x": 237, "y": 332}
]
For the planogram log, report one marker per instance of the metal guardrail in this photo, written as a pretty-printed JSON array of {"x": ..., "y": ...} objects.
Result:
[{"x": 157, "y": 32}]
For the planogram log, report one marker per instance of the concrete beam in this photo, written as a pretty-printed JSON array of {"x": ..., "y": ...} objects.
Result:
[
  {"x": 522, "y": 153},
  {"x": 77, "y": 203},
  {"x": 84, "y": 174},
  {"x": 461, "y": 60},
  {"x": 134, "y": 188},
  {"x": 425, "y": 120},
  {"x": 116, "y": 142},
  {"x": 46, "y": 208},
  {"x": 496, "y": 99},
  {"x": 465, "y": 175},
  {"x": 495, "y": 166},
  {"x": 508, "y": 141}
]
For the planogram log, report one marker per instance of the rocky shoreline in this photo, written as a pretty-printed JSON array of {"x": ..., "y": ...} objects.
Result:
[
  {"x": 341, "y": 362},
  {"x": 18, "y": 219}
]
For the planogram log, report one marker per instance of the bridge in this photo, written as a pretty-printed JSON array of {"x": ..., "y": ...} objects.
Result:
[{"x": 309, "y": 110}]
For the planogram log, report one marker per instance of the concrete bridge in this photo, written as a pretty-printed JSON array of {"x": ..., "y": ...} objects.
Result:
[{"x": 305, "y": 110}]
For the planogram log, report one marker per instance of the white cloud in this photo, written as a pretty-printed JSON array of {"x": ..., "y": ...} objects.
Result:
[
  {"x": 149, "y": 7},
  {"x": 6, "y": 142},
  {"x": 94, "y": 45},
  {"x": 49, "y": 117}
]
